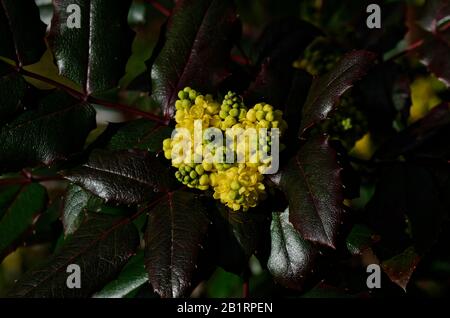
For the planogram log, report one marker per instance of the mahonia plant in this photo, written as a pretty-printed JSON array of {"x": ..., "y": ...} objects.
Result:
[
  {"x": 95, "y": 209},
  {"x": 237, "y": 185}
]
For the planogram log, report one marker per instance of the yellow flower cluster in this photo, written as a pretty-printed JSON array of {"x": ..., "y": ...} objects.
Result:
[{"x": 237, "y": 185}]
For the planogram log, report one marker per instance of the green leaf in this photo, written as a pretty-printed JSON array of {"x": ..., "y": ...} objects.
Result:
[
  {"x": 196, "y": 50},
  {"x": 20, "y": 214},
  {"x": 176, "y": 228},
  {"x": 101, "y": 247},
  {"x": 12, "y": 92},
  {"x": 94, "y": 55},
  {"x": 122, "y": 176},
  {"x": 359, "y": 240},
  {"x": 325, "y": 90},
  {"x": 312, "y": 184},
  {"x": 76, "y": 203},
  {"x": 140, "y": 134},
  {"x": 57, "y": 128},
  {"x": 291, "y": 257},
  {"x": 7, "y": 194},
  {"x": 401, "y": 267},
  {"x": 130, "y": 278},
  {"x": 22, "y": 31}
]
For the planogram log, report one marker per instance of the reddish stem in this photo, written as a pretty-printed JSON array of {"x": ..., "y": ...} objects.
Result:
[
  {"x": 246, "y": 288},
  {"x": 128, "y": 109},
  {"x": 246, "y": 284},
  {"x": 69, "y": 90},
  {"x": 410, "y": 48},
  {"x": 12, "y": 181},
  {"x": 80, "y": 96},
  {"x": 158, "y": 6},
  {"x": 28, "y": 177}
]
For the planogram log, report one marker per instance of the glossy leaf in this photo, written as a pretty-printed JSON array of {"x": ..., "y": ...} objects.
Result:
[
  {"x": 140, "y": 134},
  {"x": 401, "y": 267},
  {"x": 173, "y": 239},
  {"x": 22, "y": 32},
  {"x": 130, "y": 278},
  {"x": 429, "y": 36},
  {"x": 325, "y": 90},
  {"x": 196, "y": 50},
  {"x": 291, "y": 257},
  {"x": 122, "y": 176},
  {"x": 95, "y": 54},
  {"x": 312, "y": 184},
  {"x": 57, "y": 128},
  {"x": 76, "y": 203},
  {"x": 20, "y": 214},
  {"x": 90, "y": 248},
  {"x": 12, "y": 91}
]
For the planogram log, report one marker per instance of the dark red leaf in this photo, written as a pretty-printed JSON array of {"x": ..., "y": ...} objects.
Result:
[
  {"x": 122, "y": 176},
  {"x": 22, "y": 32},
  {"x": 401, "y": 267},
  {"x": 93, "y": 56},
  {"x": 196, "y": 50},
  {"x": 101, "y": 247},
  {"x": 173, "y": 239},
  {"x": 429, "y": 33},
  {"x": 325, "y": 90},
  {"x": 312, "y": 184}
]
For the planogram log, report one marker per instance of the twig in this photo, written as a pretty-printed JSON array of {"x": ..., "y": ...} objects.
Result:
[
  {"x": 246, "y": 284},
  {"x": 158, "y": 6},
  {"x": 405, "y": 51},
  {"x": 128, "y": 109},
  {"x": 28, "y": 177},
  {"x": 69, "y": 90},
  {"x": 90, "y": 99}
]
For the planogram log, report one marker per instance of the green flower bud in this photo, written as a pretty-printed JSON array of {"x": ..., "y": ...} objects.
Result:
[
  {"x": 260, "y": 115},
  {"x": 192, "y": 95},
  {"x": 204, "y": 180},
  {"x": 235, "y": 185},
  {"x": 199, "y": 169},
  {"x": 232, "y": 195},
  {"x": 234, "y": 112},
  {"x": 182, "y": 95},
  {"x": 193, "y": 174},
  {"x": 186, "y": 103},
  {"x": 251, "y": 115},
  {"x": 223, "y": 114},
  {"x": 267, "y": 108}
]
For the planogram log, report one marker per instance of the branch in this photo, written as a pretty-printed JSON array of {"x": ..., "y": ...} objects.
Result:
[
  {"x": 128, "y": 109},
  {"x": 158, "y": 6},
  {"x": 28, "y": 177},
  {"x": 408, "y": 49},
  {"x": 246, "y": 285},
  {"x": 90, "y": 99}
]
